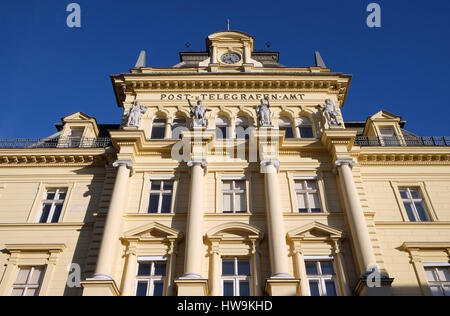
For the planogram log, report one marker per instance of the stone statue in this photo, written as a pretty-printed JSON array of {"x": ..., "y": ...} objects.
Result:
[
  {"x": 263, "y": 111},
  {"x": 135, "y": 115},
  {"x": 331, "y": 113},
  {"x": 198, "y": 114}
]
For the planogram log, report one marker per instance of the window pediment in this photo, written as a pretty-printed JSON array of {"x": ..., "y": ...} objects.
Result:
[
  {"x": 153, "y": 232},
  {"x": 235, "y": 232},
  {"x": 315, "y": 231}
]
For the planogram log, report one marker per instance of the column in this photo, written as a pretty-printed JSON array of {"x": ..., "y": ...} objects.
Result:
[
  {"x": 168, "y": 130},
  {"x": 339, "y": 263},
  {"x": 113, "y": 225},
  {"x": 172, "y": 259},
  {"x": 215, "y": 272},
  {"x": 355, "y": 214},
  {"x": 301, "y": 270},
  {"x": 275, "y": 221},
  {"x": 194, "y": 235},
  {"x": 130, "y": 273}
]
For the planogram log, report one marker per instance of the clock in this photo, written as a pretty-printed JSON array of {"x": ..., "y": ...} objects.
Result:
[{"x": 230, "y": 58}]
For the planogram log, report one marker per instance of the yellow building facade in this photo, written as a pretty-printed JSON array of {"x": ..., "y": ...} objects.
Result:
[{"x": 229, "y": 174}]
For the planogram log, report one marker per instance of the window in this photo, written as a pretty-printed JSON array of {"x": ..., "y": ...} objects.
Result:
[
  {"x": 321, "y": 278},
  {"x": 242, "y": 128},
  {"x": 414, "y": 205},
  {"x": 28, "y": 281},
  {"x": 159, "y": 128},
  {"x": 439, "y": 280},
  {"x": 235, "y": 277},
  {"x": 388, "y": 136},
  {"x": 150, "y": 278},
  {"x": 234, "y": 200},
  {"x": 306, "y": 128},
  {"x": 222, "y": 127},
  {"x": 160, "y": 197},
  {"x": 284, "y": 124},
  {"x": 307, "y": 196},
  {"x": 75, "y": 137},
  {"x": 52, "y": 206},
  {"x": 178, "y": 126}
]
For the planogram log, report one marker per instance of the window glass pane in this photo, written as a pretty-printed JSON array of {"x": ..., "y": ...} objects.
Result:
[
  {"x": 431, "y": 275},
  {"x": 228, "y": 288},
  {"x": 327, "y": 267},
  {"x": 403, "y": 194},
  {"x": 312, "y": 185},
  {"x": 444, "y": 274},
  {"x": 299, "y": 185},
  {"x": 436, "y": 291},
  {"x": 240, "y": 203},
  {"x": 141, "y": 288},
  {"x": 228, "y": 267},
  {"x": 289, "y": 132},
  {"x": 421, "y": 211},
  {"x": 330, "y": 287},
  {"x": 306, "y": 132},
  {"x": 302, "y": 203},
  {"x": 45, "y": 213},
  {"x": 32, "y": 292},
  {"x": 22, "y": 277},
  {"x": 36, "y": 276},
  {"x": 387, "y": 132},
  {"x": 158, "y": 132},
  {"x": 158, "y": 288},
  {"x": 154, "y": 202},
  {"x": 160, "y": 268},
  {"x": 447, "y": 290},
  {"x": 227, "y": 203},
  {"x": 50, "y": 195},
  {"x": 145, "y": 269},
  {"x": 314, "y": 288},
  {"x": 226, "y": 185},
  {"x": 410, "y": 212},
  {"x": 242, "y": 132},
  {"x": 415, "y": 194},
  {"x": 244, "y": 267},
  {"x": 57, "y": 213},
  {"x": 168, "y": 186},
  {"x": 166, "y": 204},
  {"x": 311, "y": 268},
  {"x": 17, "y": 292},
  {"x": 239, "y": 185},
  {"x": 221, "y": 132},
  {"x": 62, "y": 195},
  {"x": 244, "y": 288},
  {"x": 156, "y": 186},
  {"x": 314, "y": 203}
]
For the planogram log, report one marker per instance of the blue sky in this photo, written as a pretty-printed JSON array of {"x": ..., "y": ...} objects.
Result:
[{"x": 50, "y": 71}]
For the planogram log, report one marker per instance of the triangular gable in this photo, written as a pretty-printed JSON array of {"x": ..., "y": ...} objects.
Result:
[
  {"x": 385, "y": 115},
  {"x": 153, "y": 231},
  {"x": 78, "y": 116},
  {"x": 314, "y": 231}
]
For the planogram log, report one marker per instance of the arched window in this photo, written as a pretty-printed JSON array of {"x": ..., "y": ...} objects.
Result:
[
  {"x": 285, "y": 124},
  {"x": 306, "y": 128},
  {"x": 222, "y": 125},
  {"x": 179, "y": 125},
  {"x": 159, "y": 128},
  {"x": 242, "y": 128}
]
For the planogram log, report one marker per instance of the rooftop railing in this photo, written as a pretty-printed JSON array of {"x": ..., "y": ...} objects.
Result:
[
  {"x": 409, "y": 141},
  {"x": 67, "y": 142}
]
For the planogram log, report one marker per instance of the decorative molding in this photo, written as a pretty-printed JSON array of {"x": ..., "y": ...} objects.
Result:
[{"x": 27, "y": 159}]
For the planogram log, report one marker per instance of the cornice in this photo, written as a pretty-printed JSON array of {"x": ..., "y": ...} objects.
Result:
[
  {"x": 403, "y": 158},
  {"x": 30, "y": 159}
]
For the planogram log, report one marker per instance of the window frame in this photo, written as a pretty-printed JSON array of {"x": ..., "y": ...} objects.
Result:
[
  {"x": 175, "y": 125},
  {"x": 220, "y": 126},
  {"x": 54, "y": 203},
  {"x": 233, "y": 191},
  {"x": 236, "y": 278},
  {"x": 320, "y": 277},
  {"x": 284, "y": 124},
  {"x": 309, "y": 125},
  {"x": 28, "y": 285},
  {"x": 412, "y": 201},
  {"x": 150, "y": 279},
  {"x": 158, "y": 125},
  {"x": 161, "y": 192},
  {"x": 441, "y": 283},
  {"x": 307, "y": 192}
]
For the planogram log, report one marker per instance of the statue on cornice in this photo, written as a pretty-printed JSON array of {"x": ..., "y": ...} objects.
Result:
[
  {"x": 263, "y": 111},
  {"x": 135, "y": 115},
  {"x": 198, "y": 114},
  {"x": 331, "y": 113}
]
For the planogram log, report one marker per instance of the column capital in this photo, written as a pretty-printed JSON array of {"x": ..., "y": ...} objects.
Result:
[
  {"x": 345, "y": 161},
  {"x": 201, "y": 163},
  {"x": 270, "y": 162},
  {"x": 126, "y": 163}
]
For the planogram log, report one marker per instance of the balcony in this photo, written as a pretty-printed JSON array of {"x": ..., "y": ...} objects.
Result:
[
  {"x": 407, "y": 141},
  {"x": 68, "y": 142}
]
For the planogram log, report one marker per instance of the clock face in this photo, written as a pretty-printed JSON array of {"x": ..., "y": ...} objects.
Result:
[{"x": 231, "y": 58}]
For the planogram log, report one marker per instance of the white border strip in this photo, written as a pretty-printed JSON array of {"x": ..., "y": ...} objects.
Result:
[
  {"x": 143, "y": 259},
  {"x": 440, "y": 264}
]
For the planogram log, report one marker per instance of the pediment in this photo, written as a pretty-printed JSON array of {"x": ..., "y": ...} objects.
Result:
[
  {"x": 315, "y": 230},
  {"x": 153, "y": 231},
  {"x": 79, "y": 116},
  {"x": 385, "y": 115},
  {"x": 232, "y": 231}
]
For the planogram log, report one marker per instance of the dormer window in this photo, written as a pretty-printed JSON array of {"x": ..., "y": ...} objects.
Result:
[{"x": 159, "y": 128}]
